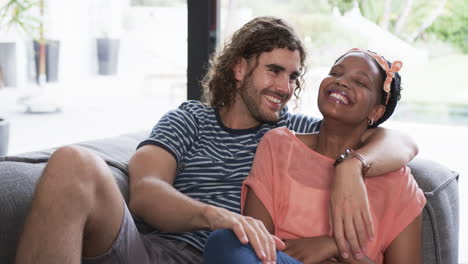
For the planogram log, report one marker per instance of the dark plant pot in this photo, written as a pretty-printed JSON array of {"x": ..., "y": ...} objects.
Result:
[
  {"x": 108, "y": 55},
  {"x": 8, "y": 64},
  {"x": 4, "y": 136},
  {"x": 52, "y": 60}
]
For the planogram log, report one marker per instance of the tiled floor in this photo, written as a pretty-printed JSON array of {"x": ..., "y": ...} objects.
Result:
[{"x": 109, "y": 108}]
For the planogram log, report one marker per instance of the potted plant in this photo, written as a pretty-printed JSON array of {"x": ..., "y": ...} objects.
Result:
[
  {"x": 46, "y": 51},
  {"x": 17, "y": 20},
  {"x": 27, "y": 16},
  {"x": 108, "y": 55},
  {"x": 4, "y": 136},
  {"x": 108, "y": 22}
]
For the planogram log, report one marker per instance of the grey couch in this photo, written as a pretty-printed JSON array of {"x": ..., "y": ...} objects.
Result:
[{"x": 19, "y": 174}]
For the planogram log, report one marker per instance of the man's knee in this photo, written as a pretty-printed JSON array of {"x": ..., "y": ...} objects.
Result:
[
  {"x": 73, "y": 163},
  {"x": 76, "y": 173}
]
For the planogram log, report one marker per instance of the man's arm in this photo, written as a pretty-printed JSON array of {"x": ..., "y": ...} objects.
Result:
[
  {"x": 386, "y": 150},
  {"x": 154, "y": 199}
]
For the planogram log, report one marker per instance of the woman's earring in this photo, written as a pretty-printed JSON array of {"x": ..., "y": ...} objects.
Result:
[{"x": 370, "y": 121}]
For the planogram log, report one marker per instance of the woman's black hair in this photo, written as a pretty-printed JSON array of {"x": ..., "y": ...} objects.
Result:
[{"x": 395, "y": 96}]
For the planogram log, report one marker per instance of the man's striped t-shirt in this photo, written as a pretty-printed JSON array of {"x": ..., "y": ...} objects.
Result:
[{"x": 212, "y": 159}]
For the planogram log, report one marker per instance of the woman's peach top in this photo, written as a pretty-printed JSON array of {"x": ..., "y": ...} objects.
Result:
[{"x": 293, "y": 182}]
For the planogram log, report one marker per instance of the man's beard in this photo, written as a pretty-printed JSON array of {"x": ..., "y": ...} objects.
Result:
[{"x": 248, "y": 96}]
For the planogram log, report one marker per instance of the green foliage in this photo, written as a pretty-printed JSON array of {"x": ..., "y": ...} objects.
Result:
[
  {"x": 315, "y": 20},
  {"x": 17, "y": 14},
  {"x": 342, "y": 5},
  {"x": 452, "y": 26},
  {"x": 420, "y": 11},
  {"x": 371, "y": 9}
]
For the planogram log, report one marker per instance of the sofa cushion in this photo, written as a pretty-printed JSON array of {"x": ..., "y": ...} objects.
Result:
[
  {"x": 116, "y": 151},
  {"x": 440, "y": 215}
]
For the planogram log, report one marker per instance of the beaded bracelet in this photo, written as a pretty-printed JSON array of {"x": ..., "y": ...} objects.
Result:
[{"x": 353, "y": 153}]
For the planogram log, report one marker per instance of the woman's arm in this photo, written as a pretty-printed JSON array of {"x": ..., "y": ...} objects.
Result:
[
  {"x": 254, "y": 207},
  {"x": 386, "y": 151},
  {"x": 406, "y": 247}
]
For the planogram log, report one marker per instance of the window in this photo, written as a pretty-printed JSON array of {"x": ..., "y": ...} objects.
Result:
[{"x": 434, "y": 105}]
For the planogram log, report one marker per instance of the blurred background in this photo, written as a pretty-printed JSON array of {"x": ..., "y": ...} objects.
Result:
[{"x": 77, "y": 70}]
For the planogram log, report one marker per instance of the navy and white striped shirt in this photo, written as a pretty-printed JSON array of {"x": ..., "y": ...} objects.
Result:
[{"x": 213, "y": 160}]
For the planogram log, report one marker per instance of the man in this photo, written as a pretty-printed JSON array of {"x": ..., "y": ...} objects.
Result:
[{"x": 185, "y": 178}]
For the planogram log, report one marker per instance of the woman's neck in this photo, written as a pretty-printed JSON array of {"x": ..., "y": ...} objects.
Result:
[{"x": 333, "y": 138}]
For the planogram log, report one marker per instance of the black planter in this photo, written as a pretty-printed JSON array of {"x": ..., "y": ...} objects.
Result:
[
  {"x": 8, "y": 64},
  {"x": 4, "y": 136},
  {"x": 52, "y": 59},
  {"x": 108, "y": 55}
]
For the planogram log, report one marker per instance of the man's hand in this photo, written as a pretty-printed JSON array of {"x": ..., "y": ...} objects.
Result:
[
  {"x": 311, "y": 249},
  {"x": 349, "y": 206},
  {"x": 247, "y": 230}
]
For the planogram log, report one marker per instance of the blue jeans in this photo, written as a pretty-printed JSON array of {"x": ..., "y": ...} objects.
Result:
[{"x": 224, "y": 247}]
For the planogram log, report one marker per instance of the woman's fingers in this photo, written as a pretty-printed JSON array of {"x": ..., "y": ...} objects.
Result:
[
  {"x": 361, "y": 233},
  {"x": 352, "y": 238},
  {"x": 339, "y": 235},
  {"x": 369, "y": 224}
]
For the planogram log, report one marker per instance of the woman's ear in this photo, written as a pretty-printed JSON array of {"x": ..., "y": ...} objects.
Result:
[
  {"x": 377, "y": 113},
  {"x": 240, "y": 69}
]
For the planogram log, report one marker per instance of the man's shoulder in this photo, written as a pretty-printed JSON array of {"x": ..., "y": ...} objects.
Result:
[
  {"x": 300, "y": 123},
  {"x": 193, "y": 110},
  {"x": 194, "y": 105}
]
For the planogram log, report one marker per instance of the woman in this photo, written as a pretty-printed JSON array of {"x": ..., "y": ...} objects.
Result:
[{"x": 288, "y": 188}]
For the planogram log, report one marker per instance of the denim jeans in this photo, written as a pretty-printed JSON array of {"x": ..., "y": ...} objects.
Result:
[{"x": 224, "y": 247}]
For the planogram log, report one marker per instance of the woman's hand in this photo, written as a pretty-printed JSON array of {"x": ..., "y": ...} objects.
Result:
[
  {"x": 311, "y": 249},
  {"x": 247, "y": 230},
  {"x": 349, "y": 208}
]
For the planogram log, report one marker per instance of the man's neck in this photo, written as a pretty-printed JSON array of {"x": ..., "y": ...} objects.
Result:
[{"x": 237, "y": 116}]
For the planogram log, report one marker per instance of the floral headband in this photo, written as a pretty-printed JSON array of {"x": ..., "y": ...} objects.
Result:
[{"x": 390, "y": 71}]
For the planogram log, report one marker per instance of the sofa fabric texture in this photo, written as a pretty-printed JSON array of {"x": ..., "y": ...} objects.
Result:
[{"x": 20, "y": 173}]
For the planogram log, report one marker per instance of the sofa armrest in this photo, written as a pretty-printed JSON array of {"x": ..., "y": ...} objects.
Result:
[{"x": 441, "y": 213}]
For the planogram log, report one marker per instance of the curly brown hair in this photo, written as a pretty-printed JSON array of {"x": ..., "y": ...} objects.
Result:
[{"x": 262, "y": 34}]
